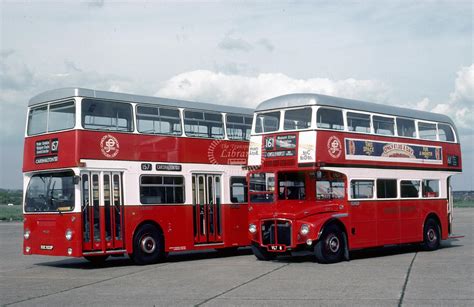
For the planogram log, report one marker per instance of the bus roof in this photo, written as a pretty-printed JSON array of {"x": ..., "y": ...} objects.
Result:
[
  {"x": 61, "y": 93},
  {"x": 307, "y": 99}
]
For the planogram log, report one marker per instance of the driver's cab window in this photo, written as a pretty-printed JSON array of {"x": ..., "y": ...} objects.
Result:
[
  {"x": 291, "y": 186},
  {"x": 329, "y": 185}
]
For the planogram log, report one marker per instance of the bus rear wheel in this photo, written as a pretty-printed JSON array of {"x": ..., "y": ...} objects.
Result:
[
  {"x": 331, "y": 245},
  {"x": 148, "y": 245},
  {"x": 431, "y": 235},
  {"x": 261, "y": 253}
]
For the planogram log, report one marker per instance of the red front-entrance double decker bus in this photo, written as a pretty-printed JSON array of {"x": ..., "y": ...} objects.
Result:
[
  {"x": 108, "y": 173},
  {"x": 332, "y": 175}
]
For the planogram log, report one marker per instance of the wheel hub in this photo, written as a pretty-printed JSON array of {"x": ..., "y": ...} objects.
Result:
[
  {"x": 333, "y": 244},
  {"x": 431, "y": 235},
  {"x": 148, "y": 244}
]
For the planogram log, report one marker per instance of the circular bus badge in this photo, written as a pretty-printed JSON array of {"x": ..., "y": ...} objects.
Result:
[
  {"x": 334, "y": 147},
  {"x": 109, "y": 146}
]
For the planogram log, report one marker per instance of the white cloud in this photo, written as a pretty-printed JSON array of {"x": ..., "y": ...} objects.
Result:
[
  {"x": 216, "y": 87},
  {"x": 460, "y": 103}
]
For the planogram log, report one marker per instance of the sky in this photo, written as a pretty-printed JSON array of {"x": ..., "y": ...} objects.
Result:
[{"x": 417, "y": 54}]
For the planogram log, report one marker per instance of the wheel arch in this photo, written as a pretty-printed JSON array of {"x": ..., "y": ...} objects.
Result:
[
  {"x": 434, "y": 216},
  {"x": 332, "y": 221}
]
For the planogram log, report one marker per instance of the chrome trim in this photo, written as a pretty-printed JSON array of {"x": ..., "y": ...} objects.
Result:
[{"x": 340, "y": 215}]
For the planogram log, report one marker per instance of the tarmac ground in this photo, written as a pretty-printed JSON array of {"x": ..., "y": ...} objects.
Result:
[{"x": 391, "y": 276}]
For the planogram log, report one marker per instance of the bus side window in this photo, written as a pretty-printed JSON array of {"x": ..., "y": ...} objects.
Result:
[
  {"x": 358, "y": 122},
  {"x": 430, "y": 188},
  {"x": 330, "y": 119},
  {"x": 406, "y": 127},
  {"x": 386, "y": 188},
  {"x": 362, "y": 189},
  {"x": 427, "y": 131},
  {"x": 409, "y": 188},
  {"x": 238, "y": 127},
  {"x": 238, "y": 190},
  {"x": 383, "y": 125},
  {"x": 445, "y": 133}
]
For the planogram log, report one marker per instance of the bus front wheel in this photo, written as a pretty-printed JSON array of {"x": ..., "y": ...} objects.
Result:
[
  {"x": 431, "y": 235},
  {"x": 148, "y": 245},
  {"x": 331, "y": 245},
  {"x": 261, "y": 253}
]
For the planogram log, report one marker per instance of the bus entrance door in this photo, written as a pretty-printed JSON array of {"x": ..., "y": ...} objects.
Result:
[
  {"x": 102, "y": 211},
  {"x": 207, "y": 198}
]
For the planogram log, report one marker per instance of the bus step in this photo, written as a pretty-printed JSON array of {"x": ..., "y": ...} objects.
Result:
[{"x": 455, "y": 236}]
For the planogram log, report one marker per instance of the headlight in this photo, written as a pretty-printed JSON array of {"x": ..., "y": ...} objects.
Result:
[
  {"x": 26, "y": 234},
  {"x": 252, "y": 228},
  {"x": 68, "y": 234},
  {"x": 304, "y": 230}
]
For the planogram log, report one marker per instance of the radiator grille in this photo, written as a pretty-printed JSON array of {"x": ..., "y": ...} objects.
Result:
[{"x": 276, "y": 232}]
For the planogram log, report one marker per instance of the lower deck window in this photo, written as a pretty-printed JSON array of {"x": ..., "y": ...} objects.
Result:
[
  {"x": 238, "y": 190},
  {"x": 386, "y": 188},
  {"x": 409, "y": 188},
  {"x": 162, "y": 189},
  {"x": 362, "y": 189},
  {"x": 430, "y": 188},
  {"x": 262, "y": 187},
  {"x": 326, "y": 189}
]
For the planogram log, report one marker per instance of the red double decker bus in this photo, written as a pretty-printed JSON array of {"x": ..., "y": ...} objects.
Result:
[
  {"x": 330, "y": 175},
  {"x": 109, "y": 174}
]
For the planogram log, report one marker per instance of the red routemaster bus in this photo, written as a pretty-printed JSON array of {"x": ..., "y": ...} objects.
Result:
[
  {"x": 108, "y": 174},
  {"x": 330, "y": 175}
]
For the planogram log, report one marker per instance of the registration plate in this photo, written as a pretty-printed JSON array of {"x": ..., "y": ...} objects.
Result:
[
  {"x": 46, "y": 247},
  {"x": 276, "y": 248}
]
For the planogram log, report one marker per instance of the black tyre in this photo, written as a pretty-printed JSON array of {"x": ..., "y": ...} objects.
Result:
[
  {"x": 431, "y": 235},
  {"x": 261, "y": 253},
  {"x": 330, "y": 247},
  {"x": 148, "y": 245},
  {"x": 97, "y": 260}
]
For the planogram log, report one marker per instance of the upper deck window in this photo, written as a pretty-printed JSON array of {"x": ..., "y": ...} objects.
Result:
[
  {"x": 106, "y": 115},
  {"x": 238, "y": 127},
  {"x": 297, "y": 119},
  {"x": 267, "y": 122},
  {"x": 53, "y": 117},
  {"x": 330, "y": 119},
  {"x": 358, "y": 122},
  {"x": 445, "y": 133},
  {"x": 406, "y": 127},
  {"x": 384, "y": 125},
  {"x": 38, "y": 120},
  {"x": 203, "y": 124},
  {"x": 427, "y": 131},
  {"x": 158, "y": 120}
]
